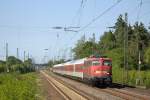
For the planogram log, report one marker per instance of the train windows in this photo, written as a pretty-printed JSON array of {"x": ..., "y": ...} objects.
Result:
[
  {"x": 107, "y": 63},
  {"x": 95, "y": 63},
  {"x": 87, "y": 63}
]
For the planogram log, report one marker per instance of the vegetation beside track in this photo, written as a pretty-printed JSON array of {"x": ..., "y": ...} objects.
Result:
[
  {"x": 131, "y": 77},
  {"x": 18, "y": 80},
  {"x": 15, "y": 86}
]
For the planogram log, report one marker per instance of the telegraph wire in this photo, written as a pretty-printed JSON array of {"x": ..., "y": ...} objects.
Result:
[
  {"x": 99, "y": 16},
  {"x": 96, "y": 18},
  {"x": 81, "y": 11},
  {"x": 78, "y": 14},
  {"x": 139, "y": 11},
  {"x": 82, "y": 5}
]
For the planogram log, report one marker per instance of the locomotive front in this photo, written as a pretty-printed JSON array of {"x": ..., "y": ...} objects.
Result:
[{"x": 100, "y": 70}]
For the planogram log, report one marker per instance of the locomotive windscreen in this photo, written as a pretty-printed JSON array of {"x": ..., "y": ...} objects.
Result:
[
  {"x": 107, "y": 63},
  {"x": 95, "y": 63}
]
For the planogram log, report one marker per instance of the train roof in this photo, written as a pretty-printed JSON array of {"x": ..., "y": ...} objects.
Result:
[
  {"x": 79, "y": 61},
  {"x": 58, "y": 65}
]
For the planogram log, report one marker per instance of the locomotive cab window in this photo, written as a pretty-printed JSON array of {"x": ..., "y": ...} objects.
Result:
[
  {"x": 107, "y": 63},
  {"x": 88, "y": 63},
  {"x": 95, "y": 63}
]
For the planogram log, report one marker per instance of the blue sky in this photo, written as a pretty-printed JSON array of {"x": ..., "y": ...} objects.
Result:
[{"x": 26, "y": 24}]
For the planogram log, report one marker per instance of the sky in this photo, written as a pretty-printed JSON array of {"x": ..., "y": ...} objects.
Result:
[{"x": 27, "y": 24}]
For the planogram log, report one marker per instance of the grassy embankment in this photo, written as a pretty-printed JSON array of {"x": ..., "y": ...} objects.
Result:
[
  {"x": 15, "y": 86},
  {"x": 133, "y": 75}
]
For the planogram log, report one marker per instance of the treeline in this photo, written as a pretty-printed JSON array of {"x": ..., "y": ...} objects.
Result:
[
  {"x": 51, "y": 62},
  {"x": 111, "y": 44},
  {"x": 16, "y": 65}
]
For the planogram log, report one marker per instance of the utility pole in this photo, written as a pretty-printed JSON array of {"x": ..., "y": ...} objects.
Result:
[
  {"x": 28, "y": 55},
  {"x": 139, "y": 67},
  {"x": 138, "y": 80},
  {"x": 24, "y": 55},
  {"x": 127, "y": 67},
  {"x": 126, "y": 49},
  {"x": 7, "y": 69},
  {"x": 18, "y": 53}
]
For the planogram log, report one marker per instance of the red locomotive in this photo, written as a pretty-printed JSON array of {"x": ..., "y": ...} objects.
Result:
[{"x": 92, "y": 70}]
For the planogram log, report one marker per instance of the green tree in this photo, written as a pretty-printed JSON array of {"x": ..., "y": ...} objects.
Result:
[
  {"x": 50, "y": 63},
  {"x": 28, "y": 66},
  {"x": 86, "y": 48},
  {"x": 142, "y": 36},
  {"x": 93, "y": 38},
  {"x": 119, "y": 31},
  {"x": 12, "y": 62},
  {"x": 117, "y": 57},
  {"x": 107, "y": 42},
  {"x": 79, "y": 47},
  {"x": 2, "y": 65}
]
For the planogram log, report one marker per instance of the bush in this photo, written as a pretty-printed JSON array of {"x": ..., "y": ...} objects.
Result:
[
  {"x": 117, "y": 57},
  {"x": 2, "y": 66},
  {"x": 16, "y": 86},
  {"x": 119, "y": 77}
]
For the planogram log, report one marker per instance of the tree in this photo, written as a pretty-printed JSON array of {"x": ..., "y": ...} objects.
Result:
[
  {"x": 117, "y": 57},
  {"x": 93, "y": 38},
  {"x": 107, "y": 41},
  {"x": 86, "y": 48},
  {"x": 142, "y": 36},
  {"x": 79, "y": 47},
  {"x": 2, "y": 65},
  {"x": 50, "y": 63},
  {"x": 28, "y": 66},
  {"x": 89, "y": 48},
  {"x": 12, "y": 62},
  {"x": 119, "y": 31}
]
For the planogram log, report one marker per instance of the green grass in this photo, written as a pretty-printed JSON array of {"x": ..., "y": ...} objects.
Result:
[
  {"x": 119, "y": 74},
  {"x": 132, "y": 76},
  {"x": 15, "y": 86}
]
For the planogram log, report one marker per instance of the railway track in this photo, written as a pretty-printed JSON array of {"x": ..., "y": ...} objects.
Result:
[
  {"x": 65, "y": 91},
  {"x": 112, "y": 91},
  {"x": 125, "y": 94}
]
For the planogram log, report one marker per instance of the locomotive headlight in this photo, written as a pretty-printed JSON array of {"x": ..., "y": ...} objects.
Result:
[
  {"x": 104, "y": 72},
  {"x": 98, "y": 72}
]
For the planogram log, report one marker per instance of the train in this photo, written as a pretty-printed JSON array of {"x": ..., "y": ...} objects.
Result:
[{"x": 93, "y": 70}]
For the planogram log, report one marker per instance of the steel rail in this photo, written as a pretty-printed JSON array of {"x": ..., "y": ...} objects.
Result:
[{"x": 66, "y": 92}]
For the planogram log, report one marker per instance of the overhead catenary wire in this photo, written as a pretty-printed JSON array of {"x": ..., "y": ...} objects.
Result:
[
  {"x": 99, "y": 16},
  {"x": 79, "y": 13},
  {"x": 95, "y": 19},
  {"x": 139, "y": 10}
]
